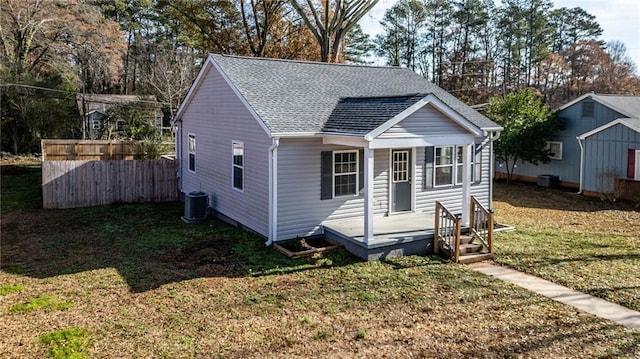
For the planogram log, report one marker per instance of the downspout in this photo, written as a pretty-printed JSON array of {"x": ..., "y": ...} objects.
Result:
[
  {"x": 273, "y": 190},
  {"x": 178, "y": 145},
  {"x": 494, "y": 136},
  {"x": 581, "y": 162}
]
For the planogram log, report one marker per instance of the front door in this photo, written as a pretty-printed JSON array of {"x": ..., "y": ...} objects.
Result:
[{"x": 401, "y": 180}]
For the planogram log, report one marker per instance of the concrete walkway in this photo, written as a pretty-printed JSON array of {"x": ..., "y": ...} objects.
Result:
[{"x": 599, "y": 307}]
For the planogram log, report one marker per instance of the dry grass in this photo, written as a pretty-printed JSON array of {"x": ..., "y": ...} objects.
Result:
[
  {"x": 581, "y": 242},
  {"x": 144, "y": 284}
]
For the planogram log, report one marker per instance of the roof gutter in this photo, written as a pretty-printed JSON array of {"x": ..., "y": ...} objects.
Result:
[{"x": 273, "y": 191}]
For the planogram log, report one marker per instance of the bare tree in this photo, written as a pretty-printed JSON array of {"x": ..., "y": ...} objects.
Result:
[{"x": 330, "y": 21}]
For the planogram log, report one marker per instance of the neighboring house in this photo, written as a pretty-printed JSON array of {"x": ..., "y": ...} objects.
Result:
[
  {"x": 291, "y": 149},
  {"x": 605, "y": 126},
  {"x": 94, "y": 108}
]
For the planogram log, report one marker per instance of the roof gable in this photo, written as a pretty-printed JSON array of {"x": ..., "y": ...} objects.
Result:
[
  {"x": 625, "y": 104},
  {"x": 423, "y": 101},
  {"x": 632, "y": 123},
  {"x": 292, "y": 97}
]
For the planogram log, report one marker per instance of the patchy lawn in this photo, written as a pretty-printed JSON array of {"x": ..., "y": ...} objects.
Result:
[
  {"x": 581, "y": 242},
  {"x": 145, "y": 284}
]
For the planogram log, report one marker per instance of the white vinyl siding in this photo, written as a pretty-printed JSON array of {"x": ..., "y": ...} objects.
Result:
[
  {"x": 217, "y": 116},
  {"x": 301, "y": 211},
  {"x": 427, "y": 121}
]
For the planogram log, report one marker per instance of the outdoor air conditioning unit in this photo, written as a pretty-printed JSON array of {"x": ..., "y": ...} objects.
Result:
[
  {"x": 195, "y": 207},
  {"x": 549, "y": 181}
]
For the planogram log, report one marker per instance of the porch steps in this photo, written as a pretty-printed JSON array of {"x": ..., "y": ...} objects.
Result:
[
  {"x": 470, "y": 248},
  {"x": 473, "y": 258}
]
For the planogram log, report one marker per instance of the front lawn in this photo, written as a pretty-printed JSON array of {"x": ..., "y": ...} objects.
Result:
[
  {"x": 581, "y": 242},
  {"x": 141, "y": 283}
]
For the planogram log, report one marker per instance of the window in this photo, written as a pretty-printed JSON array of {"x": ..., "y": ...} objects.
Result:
[
  {"x": 121, "y": 125},
  {"x": 238, "y": 165},
  {"x": 95, "y": 124},
  {"x": 400, "y": 166},
  {"x": 345, "y": 173},
  {"x": 192, "y": 152},
  {"x": 587, "y": 109},
  {"x": 444, "y": 166},
  {"x": 556, "y": 149}
]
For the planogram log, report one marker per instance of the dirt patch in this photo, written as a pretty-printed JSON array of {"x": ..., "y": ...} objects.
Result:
[{"x": 214, "y": 257}]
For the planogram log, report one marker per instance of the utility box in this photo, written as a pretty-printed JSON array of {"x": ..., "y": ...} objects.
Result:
[
  {"x": 549, "y": 181},
  {"x": 195, "y": 207}
]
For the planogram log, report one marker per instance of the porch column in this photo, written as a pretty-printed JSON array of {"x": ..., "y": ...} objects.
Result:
[
  {"x": 466, "y": 183},
  {"x": 368, "y": 194}
]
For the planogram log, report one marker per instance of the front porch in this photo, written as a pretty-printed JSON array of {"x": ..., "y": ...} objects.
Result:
[
  {"x": 418, "y": 233},
  {"x": 396, "y": 235}
]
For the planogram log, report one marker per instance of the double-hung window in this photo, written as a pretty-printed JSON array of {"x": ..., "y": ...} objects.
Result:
[
  {"x": 192, "y": 152},
  {"x": 345, "y": 173},
  {"x": 556, "y": 149},
  {"x": 238, "y": 165},
  {"x": 444, "y": 166},
  {"x": 96, "y": 124}
]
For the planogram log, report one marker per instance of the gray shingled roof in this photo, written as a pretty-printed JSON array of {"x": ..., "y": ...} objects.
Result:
[
  {"x": 361, "y": 115},
  {"x": 294, "y": 97},
  {"x": 627, "y": 105}
]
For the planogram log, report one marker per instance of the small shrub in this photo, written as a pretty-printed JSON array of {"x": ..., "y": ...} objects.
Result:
[
  {"x": 70, "y": 343},
  {"x": 362, "y": 334},
  {"x": 44, "y": 302},
  {"x": 11, "y": 288},
  {"x": 149, "y": 149}
]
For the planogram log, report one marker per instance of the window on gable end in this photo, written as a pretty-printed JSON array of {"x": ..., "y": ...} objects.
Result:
[{"x": 587, "y": 108}]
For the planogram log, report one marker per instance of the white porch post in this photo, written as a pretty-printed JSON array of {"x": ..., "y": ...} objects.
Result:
[
  {"x": 466, "y": 183},
  {"x": 368, "y": 194}
]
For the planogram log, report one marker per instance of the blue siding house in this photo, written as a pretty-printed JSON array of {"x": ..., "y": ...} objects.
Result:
[
  {"x": 295, "y": 149},
  {"x": 594, "y": 148}
]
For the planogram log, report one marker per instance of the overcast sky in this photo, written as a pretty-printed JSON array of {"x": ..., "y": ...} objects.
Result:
[{"x": 619, "y": 19}]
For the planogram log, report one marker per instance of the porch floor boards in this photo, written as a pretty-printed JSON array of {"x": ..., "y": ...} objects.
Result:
[{"x": 394, "y": 235}]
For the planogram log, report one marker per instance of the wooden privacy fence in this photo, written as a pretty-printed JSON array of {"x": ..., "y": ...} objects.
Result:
[
  {"x": 70, "y": 184},
  {"x": 60, "y": 150}
]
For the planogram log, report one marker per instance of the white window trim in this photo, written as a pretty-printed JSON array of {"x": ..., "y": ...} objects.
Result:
[
  {"x": 189, "y": 152},
  {"x": 407, "y": 170},
  {"x": 95, "y": 124},
  {"x": 555, "y": 156},
  {"x": 333, "y": 174},
  {"x": 453, "y": 166},
  {"x": 233, "y": 165}
]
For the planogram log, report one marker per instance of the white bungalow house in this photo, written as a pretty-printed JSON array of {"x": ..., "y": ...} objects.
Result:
[{"x": 359, "y": 154}]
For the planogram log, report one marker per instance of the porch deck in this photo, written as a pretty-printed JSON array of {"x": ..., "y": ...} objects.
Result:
[{"x": 394, "y": 236}]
